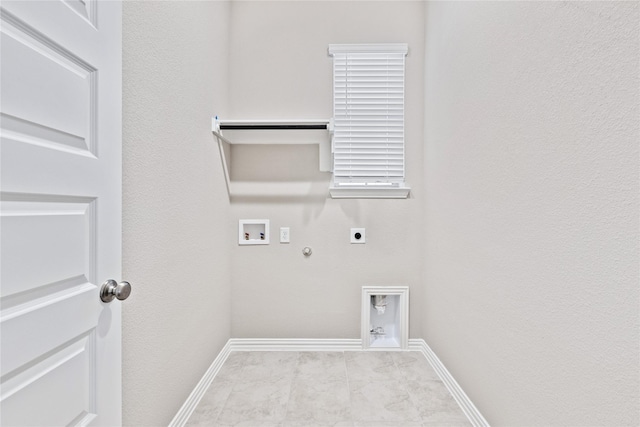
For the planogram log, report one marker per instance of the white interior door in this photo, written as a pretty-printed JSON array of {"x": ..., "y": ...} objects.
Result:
[{"x": 60, "y": 158}]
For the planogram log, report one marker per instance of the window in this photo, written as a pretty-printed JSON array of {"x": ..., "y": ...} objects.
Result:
[{"x": 368, "y": 112}]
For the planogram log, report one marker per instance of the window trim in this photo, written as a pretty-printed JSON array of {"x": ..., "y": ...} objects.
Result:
[{"x": 368, "y": 192}]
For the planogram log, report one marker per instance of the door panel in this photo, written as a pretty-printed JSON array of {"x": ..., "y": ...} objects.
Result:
[
  {"x": 60, "y": 226},
  {"x": 51, "y": 89},
  {"x": 71, "y": 364},
  {"x": 60, "y": 243}
]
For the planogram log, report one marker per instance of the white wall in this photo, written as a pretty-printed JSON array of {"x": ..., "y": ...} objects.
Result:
[
  {"x": 175, "y": 239},
  {"x": 280, "y": 69},
  {"x": 519, "y": 242},
  {"x": 531, "y": 172}
]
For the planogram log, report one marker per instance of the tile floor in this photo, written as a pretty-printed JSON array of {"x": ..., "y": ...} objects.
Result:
[{"x": 351, "y": 388}]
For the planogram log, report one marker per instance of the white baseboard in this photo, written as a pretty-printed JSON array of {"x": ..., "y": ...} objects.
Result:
[
  {"x": 294, "y": 344},
  {"x": 469, "y": 409},
  {"x": 249, "y": 344},
  {"x": 183, "y": 414}
]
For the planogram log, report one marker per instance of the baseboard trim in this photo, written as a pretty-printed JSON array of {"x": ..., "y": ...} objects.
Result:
[
  {"x": 294, "y": 344},
  {"x": 469, "y": 409},
  {"x": 183, "y": 414},
  {"x": 250, "y": 344}
]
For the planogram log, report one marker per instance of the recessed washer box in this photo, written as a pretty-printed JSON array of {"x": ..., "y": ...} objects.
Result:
[
  {"x": 385, "y": 317},
  {"x": 253, "y": 232}
]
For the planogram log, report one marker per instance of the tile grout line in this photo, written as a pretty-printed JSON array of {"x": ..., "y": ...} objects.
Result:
[
  {"x": 346, "y": 376},
  {"x": 403, "y": 382},
  {"x": 293, "y": 375},
  {"x": 233, "y": 386},
  {"x": 412, "y": 398}
]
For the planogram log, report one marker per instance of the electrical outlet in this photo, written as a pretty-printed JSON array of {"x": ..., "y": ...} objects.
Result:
[
  {"x": 284, "y": 235},
  {"x": 358, "y": 235}
]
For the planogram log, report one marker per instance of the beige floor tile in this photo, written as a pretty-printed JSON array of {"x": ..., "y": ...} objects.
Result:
[
  {"x": 414, "y": 366},
  {"x": 387, "y": 424},
  {"x": 263, "y": 401},
  {"x": 271, "y": 365},
  {"x": 371, "y": 366},
  {"x": 434, "y": 402},
  {"x": 311, "y": 423},
  {"x": 321, "y": 366},
  {"x": 211, "y": 403},
  {"x": 381, "y": 401},
  {"x": 446, "y": 420},
  {"x": 319, "y": 402},
  {"x": 232, "y": 367},
  {"x": 251, "y": 423},
  {"x": 328, "y": 389}
]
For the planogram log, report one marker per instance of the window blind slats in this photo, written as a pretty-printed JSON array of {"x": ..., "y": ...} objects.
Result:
[{"x": 368, "y": 110}]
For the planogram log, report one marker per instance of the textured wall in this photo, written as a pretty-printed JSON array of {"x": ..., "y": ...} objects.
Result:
[
  {"x": 175, "y": 239},
  {"x": 531, "y": 172},
  {"x": 281, "y": 70}
]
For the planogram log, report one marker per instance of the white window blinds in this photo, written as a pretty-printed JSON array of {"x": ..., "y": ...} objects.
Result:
[{"x": 368, "y": 108}]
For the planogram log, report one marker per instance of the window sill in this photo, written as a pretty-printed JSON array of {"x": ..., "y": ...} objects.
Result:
[{"x": 369, "y": 192}]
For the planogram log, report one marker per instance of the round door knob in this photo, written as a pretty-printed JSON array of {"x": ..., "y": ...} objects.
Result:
[{"x": 112, "y": 289}]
